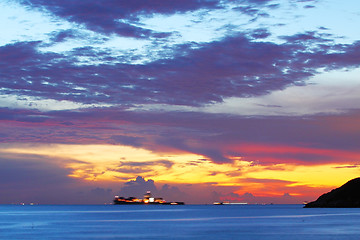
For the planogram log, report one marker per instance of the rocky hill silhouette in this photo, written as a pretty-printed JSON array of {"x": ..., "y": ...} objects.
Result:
[{"x": 346, "y": 196}]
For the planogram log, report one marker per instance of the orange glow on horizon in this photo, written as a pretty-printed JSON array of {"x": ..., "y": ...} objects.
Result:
[{"x": 112, "y": 163}]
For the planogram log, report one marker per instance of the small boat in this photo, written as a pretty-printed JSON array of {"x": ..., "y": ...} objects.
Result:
[{"x": 229, "y": 203}]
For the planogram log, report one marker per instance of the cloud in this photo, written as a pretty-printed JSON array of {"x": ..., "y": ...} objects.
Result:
[
  {"x": 248, "y": 10},
  {"x": 118, "y": 17},
  {"x": 63, "y": 35},
  {"x": 165, "y": 163},
  {"x": 274, "y": 197},
  {"x": 260, "y": 33},
  {"x": 349, "y": 166},
  {"x": 101, "y": 191},
  {"x": 266, "y": 140},
  {"x": 309, "y": 6},
  {"x": 287, "y": 196},
  {"x": 127, "y": 140},
  {"x": 30, "y": 171},
  {"x": 35, "y": 178},
  {"x": 135, "y": 167},
  {"x": 139, "y": 186},
  {"x": 307, "y": 37},
  {"x": 233, "y": 67},
  {"x": 196, "y": 75},
  {"x": 267, "y": 181},
  {"x": 172, "y": 193}
]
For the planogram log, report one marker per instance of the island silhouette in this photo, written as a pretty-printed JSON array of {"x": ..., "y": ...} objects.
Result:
[{"x": 346, "y": 196}]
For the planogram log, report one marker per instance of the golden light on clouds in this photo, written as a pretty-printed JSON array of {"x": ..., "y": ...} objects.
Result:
[{"x": 113, "y": 163}]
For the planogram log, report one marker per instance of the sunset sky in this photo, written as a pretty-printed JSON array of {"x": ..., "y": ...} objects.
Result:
[{"x": 252, "y": 101}]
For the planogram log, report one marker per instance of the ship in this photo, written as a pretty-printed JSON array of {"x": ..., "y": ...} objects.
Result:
[
  {"x": 230, "y": 203},
  {"x": 147, "y": 200}
]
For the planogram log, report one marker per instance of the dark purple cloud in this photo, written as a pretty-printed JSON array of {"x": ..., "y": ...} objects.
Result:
[
  {"x": 26, "y": 178},
  {"x": 101, "y": 192},
  {"x": 307, "y": 37},
  {"x": 122, "y": 17},
  {"x": 117, "y": 16},
  {"x": 254, "y": 8},
  {"x": 22, "y": 115},
  {"x": 138, "y": 187},
  {"x": 29, "y": 171},
  {"x": 309, "y": 6},
  {"x": 64, "y": 35},
  {"x": 260, "y": 33},
  {"x": 194, "y": 133},
  {"x": 232, "y": 67},
  {"x": 132, "y": 167},
  {"x": 164, "y": 163},
  {"x": 34, "y": 178},
  {"x": 307, "y": 1},
  {"x": 248, "y": 10},
  {"x": 349, "y": 166},
  {"x": 250, "y": 2},
  {"x": 127, "y": 140}
]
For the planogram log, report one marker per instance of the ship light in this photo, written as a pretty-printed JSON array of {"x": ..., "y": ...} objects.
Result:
[{"x": 151, "y": 199}]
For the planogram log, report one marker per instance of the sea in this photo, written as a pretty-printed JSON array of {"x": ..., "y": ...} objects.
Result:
[{"x": 177, "y": 222}]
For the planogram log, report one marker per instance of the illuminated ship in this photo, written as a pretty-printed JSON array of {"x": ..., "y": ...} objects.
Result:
[
  {"x": 229, "y": 203},
  {"x": 148, "y": 199}
]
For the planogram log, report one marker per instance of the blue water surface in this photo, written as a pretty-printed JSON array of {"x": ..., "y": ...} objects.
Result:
[{"x": 177, "y": 222}]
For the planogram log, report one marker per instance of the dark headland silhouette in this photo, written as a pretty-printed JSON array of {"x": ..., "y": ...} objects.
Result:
[{"x": 346, "y": 196}]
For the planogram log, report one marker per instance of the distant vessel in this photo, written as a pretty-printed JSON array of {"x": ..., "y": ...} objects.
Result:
[
  {"x": 229, "y": 203},
  {"x": 148, "y": 199}
]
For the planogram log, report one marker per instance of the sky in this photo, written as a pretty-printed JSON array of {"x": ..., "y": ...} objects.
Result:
[{"x": 199, "y": 101}]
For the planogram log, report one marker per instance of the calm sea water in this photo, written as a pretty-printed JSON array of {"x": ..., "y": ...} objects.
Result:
[{"x": 177, "y": 222}]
